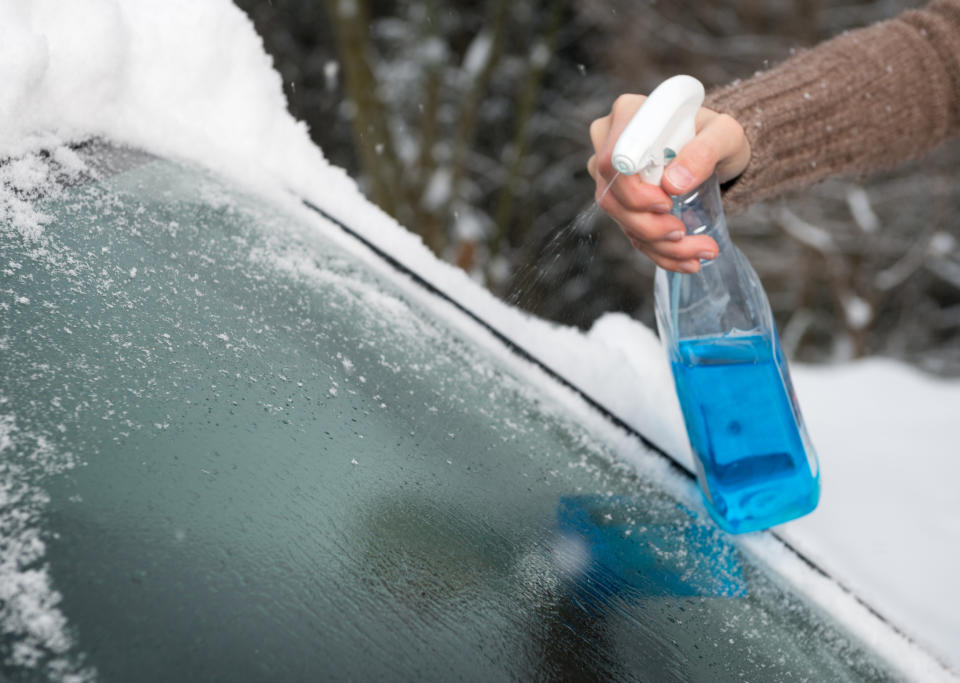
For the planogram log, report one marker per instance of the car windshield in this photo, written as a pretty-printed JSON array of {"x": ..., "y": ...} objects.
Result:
[{"x": 233, "y": 449}]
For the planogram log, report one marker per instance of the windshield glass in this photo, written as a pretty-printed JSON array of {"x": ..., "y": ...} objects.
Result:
[{"x": 231, "y": 450}]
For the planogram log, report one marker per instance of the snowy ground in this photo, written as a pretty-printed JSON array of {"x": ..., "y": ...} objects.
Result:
[{"x": 190, "y": 80}]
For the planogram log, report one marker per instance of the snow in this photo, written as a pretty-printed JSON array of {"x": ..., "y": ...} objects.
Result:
[
  {"x": 29, "y": 604},
  {"x": 858, "y": 311},
  {"x": 21, "y": 178},
  {"x": 478, "y": 53},
  {"x": 331, "y": 73},
  {"x": 942, "y": 244},
  {"x": 889, "y": 518},
  {"x": 862, "y": 212},
  {"x": 438, "y": 189},
  {"x": 190, "y": 80},
  {"x": 540, "y": 55}
]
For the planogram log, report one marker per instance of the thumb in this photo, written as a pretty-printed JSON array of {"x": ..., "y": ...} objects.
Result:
[
  {"x": 720, "y": 142},
  {"x": 691, "y": 167}
]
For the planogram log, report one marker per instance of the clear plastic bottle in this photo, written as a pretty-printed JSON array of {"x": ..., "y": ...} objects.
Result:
[{"x": 755, "y": 462}]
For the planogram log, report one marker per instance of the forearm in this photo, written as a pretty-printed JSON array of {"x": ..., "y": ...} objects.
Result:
[{"x": 864, "y": 101}]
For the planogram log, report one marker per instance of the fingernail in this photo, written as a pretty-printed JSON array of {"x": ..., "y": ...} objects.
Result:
[
  {"x": 662, "y": 208},
  {"x": 679, "y": 176},
  {"x": 688, "y": 267},
  {"x": 675, "y": 236},
  {"x": 706, "y": 256}
]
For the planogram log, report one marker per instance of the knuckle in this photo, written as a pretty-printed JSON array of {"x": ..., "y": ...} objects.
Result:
[
  {"x": 633, "y": 198},
  {"x": 595, "y": 127},
  {"x": 640, "y": 196},
  {"x": 639, "y": 228},
  {"x": 605, "y": 166},
  {"x": 626, "y": 103},
  {"x": 660, "y": 260},
  {"x": 703, "y": 156},
  {"x": 604, "y": 199},
  {"x": 732, "y": 131},
  {"x": 672, "y": 250},
  {"x": 731, "y": 125}
]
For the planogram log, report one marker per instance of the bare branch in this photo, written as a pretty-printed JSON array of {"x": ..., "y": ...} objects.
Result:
[{"x": 803, "y": 232}]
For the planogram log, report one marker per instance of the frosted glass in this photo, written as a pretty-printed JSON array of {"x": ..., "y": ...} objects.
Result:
[{"x": 283, "y": 469}]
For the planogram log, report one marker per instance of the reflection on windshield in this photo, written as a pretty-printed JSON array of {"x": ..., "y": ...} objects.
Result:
[
  {"x": 605, "y": 549},
  {"x": 287, "y": 470}
]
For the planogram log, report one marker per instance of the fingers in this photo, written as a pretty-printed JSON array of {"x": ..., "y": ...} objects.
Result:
[
  {"x": 690, "y": 248},
  {"x": 633, "y": 194},
  {"x": 643, "y": 210},
  {"x": 720, "y": 144},
  {"x": 659, "y": 234},
  {"x": 605, "y": 131},
  {"x": 678, "y": 264},
  {"x": 599, "y": 130},
  {"x": 666, "y": 238},
  {"x": 691, "y": 266},
  {"x": 646, "y": 220}
]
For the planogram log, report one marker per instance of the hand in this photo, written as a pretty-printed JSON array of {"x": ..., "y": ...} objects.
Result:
[{"x": 643, "y": 210}]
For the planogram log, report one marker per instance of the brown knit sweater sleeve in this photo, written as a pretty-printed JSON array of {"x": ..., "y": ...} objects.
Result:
[{"x": 860, "y": 102}]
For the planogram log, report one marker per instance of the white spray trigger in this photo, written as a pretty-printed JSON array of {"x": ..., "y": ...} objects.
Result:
[{"x": 665, "y": 120}]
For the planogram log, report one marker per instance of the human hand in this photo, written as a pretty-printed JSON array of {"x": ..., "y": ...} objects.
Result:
[{"x": 642, "y": 210}]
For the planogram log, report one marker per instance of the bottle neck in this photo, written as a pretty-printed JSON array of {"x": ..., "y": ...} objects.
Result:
[{"x": 702, "y": 212}]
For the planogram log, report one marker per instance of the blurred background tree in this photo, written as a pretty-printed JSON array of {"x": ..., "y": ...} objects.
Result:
[{"x": 467, "y": 121}]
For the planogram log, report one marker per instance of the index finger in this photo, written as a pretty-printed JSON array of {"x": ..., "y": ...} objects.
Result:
[{"x": 624, "y": 107}]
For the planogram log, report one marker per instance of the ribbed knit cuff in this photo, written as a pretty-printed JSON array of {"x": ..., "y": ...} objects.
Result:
[{"x": 863, "y": 101}]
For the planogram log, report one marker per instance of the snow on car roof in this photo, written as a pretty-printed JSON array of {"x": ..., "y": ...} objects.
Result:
[{"x": 190, "y": 80}]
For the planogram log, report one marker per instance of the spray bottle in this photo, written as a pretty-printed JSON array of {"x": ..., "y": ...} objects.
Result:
[{"x": 755, "y": 463}]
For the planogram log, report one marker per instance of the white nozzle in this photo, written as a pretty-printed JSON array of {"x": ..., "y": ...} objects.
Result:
[{"x": 664, "y": 121}]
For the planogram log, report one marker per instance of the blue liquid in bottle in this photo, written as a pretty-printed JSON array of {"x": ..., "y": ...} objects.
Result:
[{"x": 746, "y": 431}]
